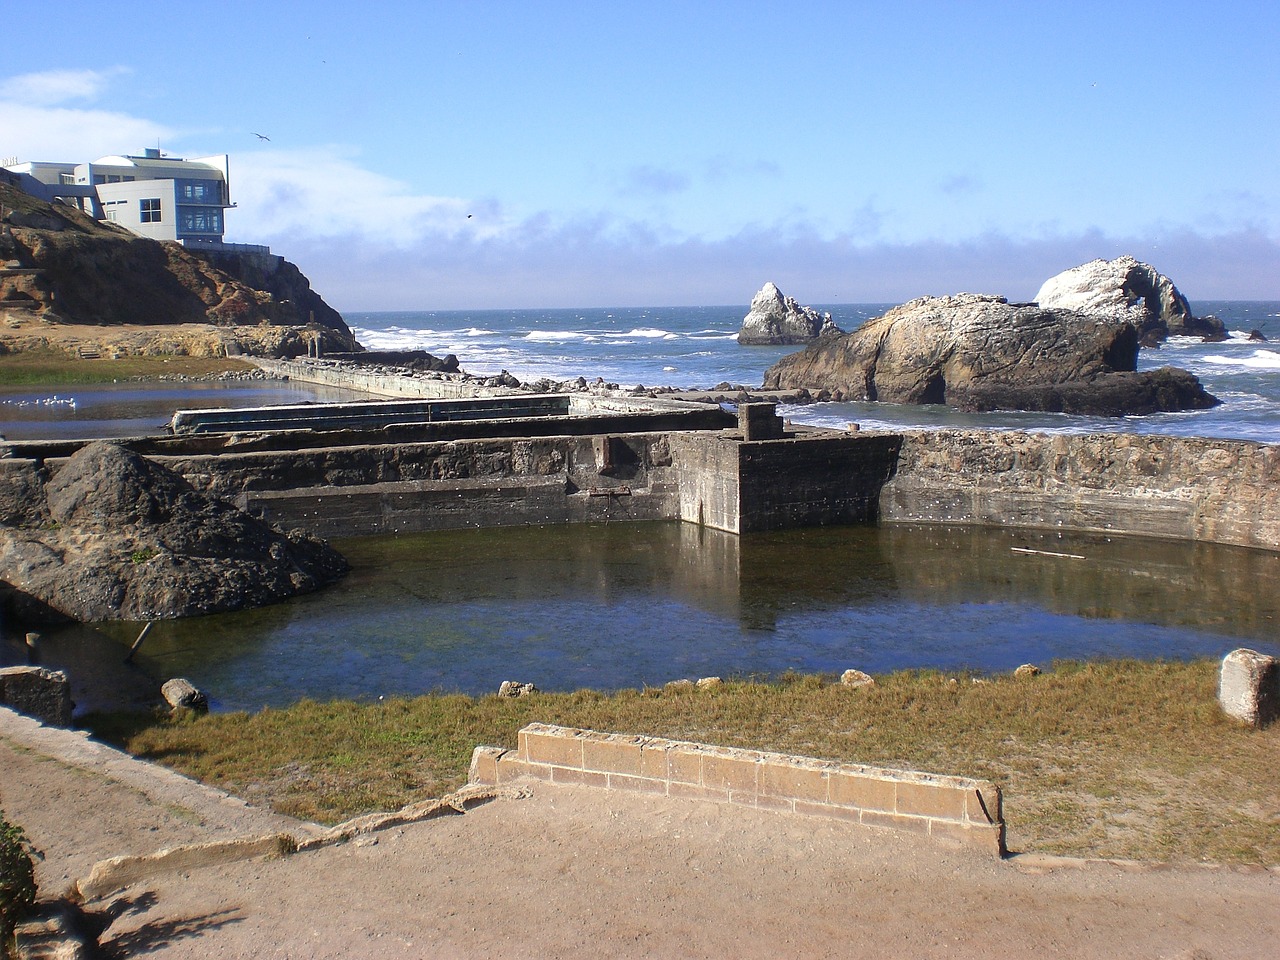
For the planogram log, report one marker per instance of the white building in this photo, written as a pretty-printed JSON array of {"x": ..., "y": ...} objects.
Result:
[{"x": 164, "y": 198}]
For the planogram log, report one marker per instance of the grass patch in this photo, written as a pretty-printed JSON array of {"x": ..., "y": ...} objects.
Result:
[
  {"x": 52, "y": 367},
  {"x": 1117, "y": 759}
]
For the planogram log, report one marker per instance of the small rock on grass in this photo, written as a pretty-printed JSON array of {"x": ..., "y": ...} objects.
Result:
[
  {"x": 514, "y": 688},
  {"x": 856, "y": 678}
]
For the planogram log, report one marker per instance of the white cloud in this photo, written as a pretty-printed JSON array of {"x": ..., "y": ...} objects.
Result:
[
  {"x": 31, "y": 133},
  {"x": 324, "y": 192},
  {"x": 34, "y": 127},
  {"x": 52, "y": 87},
  {"x": 596, "y": 263}
]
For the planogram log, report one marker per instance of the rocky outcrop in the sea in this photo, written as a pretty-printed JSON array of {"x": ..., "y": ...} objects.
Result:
[
  {"x": 58, "y": 265},
  {"x": 774, "y": 319},
  {"x": 115, "y": 536},
  {"x": 1126, "y": 290},
  {"x": 978, "y": 352}
]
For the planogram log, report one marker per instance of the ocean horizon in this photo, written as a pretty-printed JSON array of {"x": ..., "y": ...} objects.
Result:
[{"x": 683, "y": 347}]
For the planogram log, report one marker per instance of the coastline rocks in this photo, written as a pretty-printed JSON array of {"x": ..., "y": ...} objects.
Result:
[
  {"x": 514, "y": 688},
  {"x": 1126, "y": 290},
  {"x": 774, "y": 319},
  {"x": 115, "y": 536},
  {"x": 856, "y": 679},
  {"x": 182, "y": 694},
  {"x": 977, "y": 352}
]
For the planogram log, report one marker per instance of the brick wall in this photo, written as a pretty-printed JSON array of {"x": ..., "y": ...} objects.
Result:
[{"x": 953, "y": 810}]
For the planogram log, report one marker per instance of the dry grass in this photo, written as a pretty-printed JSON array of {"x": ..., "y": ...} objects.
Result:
[
  {"x": 53, "y": 367},
  {"x": 1116, "y": 759}
]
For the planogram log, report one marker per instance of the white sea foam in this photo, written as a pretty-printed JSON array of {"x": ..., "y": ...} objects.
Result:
[
  {"x": 1260, "y": 360},
  {"x": 554, "y": 336},
  {"x": 650, "y": 333}
]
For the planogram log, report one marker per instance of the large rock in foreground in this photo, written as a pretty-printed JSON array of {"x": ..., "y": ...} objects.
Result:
[
  {"x": 977, "y": 352},
  {"x": 114, "y": 536},
  {"x": 1127, "y": 290},
  {"x": 774, "y": 319}
]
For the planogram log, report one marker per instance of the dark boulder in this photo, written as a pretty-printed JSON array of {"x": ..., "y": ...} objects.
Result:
[{"x": 128, "y": 539}]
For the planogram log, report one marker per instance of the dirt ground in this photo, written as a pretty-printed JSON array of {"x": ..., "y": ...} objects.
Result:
[{"x": 579, "y": 872}]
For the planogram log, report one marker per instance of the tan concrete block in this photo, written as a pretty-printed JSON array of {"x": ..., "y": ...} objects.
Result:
[
  {"x": 611, "y": 756},
  {"x": 984, "y": 804},
  {"x": 484, "y": 765},
  {"x": 873, "y": 818},
  {"x": 728, "y": 772},
  {"x": 690, "y": 791},
  {"x": 864, "y": 792},
  {"x": 588, "y": 778},
  {"x": 925, "y": 799},
  {"x": 618, "y": 781},
  {"x": 653, "y": 759},
  {"x": 510, "y": 768},
  {"x": 684, "y": 765},
  {"x": 829, "y": 810},
  {"x": 799, "y": 781},
  {"x": 554, "y": 748},
  {"x": 778, "y": 804},
  {"x": 979, "y": 838}
]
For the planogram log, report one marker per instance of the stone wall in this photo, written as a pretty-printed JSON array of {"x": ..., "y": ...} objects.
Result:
[
  {"x": 953, "y": 810},
  {"x": 813, "y": 479},
  {"x": 37, "y": 692},
  {"x": 1221, "y": 491}
]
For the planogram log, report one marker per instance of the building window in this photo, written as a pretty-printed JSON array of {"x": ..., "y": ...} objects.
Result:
[
  {"x": 201, "y": 220},
  {"x": 198, "y": 191},
  {"x": 67, "y": 178},
  {"x": 150, "y": 212}
]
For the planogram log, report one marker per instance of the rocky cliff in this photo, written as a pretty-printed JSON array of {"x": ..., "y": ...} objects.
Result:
[
  {"x": 61, "y": 267},
  {"x": 1127, "y": 290},
  {"x": 776, "y": 319},
  {"x": 978, "y": 352}
]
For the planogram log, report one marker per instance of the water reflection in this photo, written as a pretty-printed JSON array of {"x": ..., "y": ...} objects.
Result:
[{"x": 624, "y": 605}]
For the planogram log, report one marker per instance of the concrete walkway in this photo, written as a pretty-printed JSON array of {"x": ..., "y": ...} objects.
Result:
[{"x": 580, "y": 872}]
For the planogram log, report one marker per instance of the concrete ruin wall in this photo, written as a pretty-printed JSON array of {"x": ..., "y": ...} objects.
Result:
[
  {"x": 813, "y": 479},
  {"x": 953, "y": 810},
  {"x": 416, "y": 487},
  {"x": 1220, "y": 491},
  {"x": 37, "y": 692}
]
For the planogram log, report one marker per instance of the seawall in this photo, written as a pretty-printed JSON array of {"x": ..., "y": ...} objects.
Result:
[
  {"x": 1220, "y": 491},
  {"x": 614, "y": 460}
]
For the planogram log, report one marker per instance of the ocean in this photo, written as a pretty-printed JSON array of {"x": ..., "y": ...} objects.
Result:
[
  {"x": 692, "y": 347},
  {"x": 697, "y": 347}
]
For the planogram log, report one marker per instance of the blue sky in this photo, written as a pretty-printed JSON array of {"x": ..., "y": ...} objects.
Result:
[{"x": 471, "y": 155}]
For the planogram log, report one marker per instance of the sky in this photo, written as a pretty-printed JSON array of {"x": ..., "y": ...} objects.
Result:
[{"x": 439, "y": 155}]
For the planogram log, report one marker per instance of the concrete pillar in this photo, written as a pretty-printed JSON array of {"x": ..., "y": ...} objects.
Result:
[
  {"x": 1249, "y": 687},
  {"x": 759, "y": 421}
]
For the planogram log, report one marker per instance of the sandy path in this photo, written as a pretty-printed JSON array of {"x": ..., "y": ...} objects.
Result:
[{"x": 577, "y": 872}]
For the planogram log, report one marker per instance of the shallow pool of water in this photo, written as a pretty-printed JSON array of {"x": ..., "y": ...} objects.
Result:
[{"x": 625, "y": 605}]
